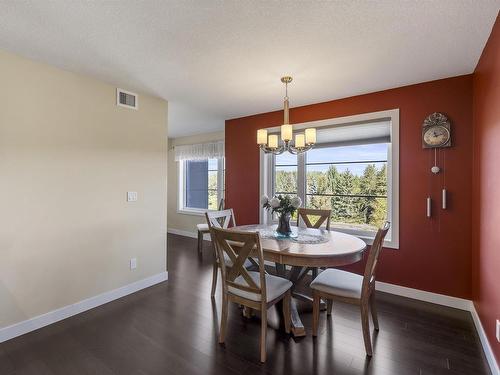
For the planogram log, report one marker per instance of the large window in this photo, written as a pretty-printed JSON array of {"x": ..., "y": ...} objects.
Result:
[
  {"x": 351, "y": 181},
  {"x": 202, "y": 184},
  {"x": 353, "y": 171}
]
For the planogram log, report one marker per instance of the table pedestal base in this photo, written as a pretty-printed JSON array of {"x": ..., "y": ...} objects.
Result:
[{"x": 296, "y": 274}]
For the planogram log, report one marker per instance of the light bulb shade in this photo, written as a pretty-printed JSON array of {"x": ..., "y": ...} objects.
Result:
[
  {"x": 286, "y": 132},
  {"x": 273, "y": 141},
  {"x": 310, "y": 136},
  {"x": 261, "y": 136},
  {"x": 300, "y": 140}
]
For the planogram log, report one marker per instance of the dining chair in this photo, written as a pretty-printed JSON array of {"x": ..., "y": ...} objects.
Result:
[
  {"x": 254, "y": 289},
  {"x": 306, "y": 213},
  {"x": 221, "y": 219},
  {"x": 202, "y": 228},
  {"x": 333, "y": 284},
  {"x": 323, "y": 216}
]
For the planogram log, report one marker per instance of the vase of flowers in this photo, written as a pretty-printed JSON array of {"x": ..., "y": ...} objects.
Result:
[{"x": 284, "y": 206}]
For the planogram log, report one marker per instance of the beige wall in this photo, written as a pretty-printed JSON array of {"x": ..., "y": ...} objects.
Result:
[
  {"x": 68, "y": 155},
  {"x": 180, "y": 221}
]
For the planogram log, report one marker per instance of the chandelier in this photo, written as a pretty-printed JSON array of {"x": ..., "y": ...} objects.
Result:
[{"x": 303, "y": 141}]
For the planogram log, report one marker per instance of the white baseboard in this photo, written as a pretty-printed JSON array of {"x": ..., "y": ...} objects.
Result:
[
  {"x": 186, "y": 233},
  {"x": 422, "y": 295},
  {"x": 54, "y": 316},
  {"x": 488, "y": 352}
]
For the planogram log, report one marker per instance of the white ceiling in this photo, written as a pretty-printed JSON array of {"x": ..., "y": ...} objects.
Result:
[{"x": 223, "y": 59}]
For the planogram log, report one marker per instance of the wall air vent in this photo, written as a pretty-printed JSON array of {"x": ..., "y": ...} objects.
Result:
[{"x": 127, "y": 99}]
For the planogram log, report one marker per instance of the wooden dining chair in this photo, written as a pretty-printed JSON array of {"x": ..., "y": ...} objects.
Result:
[
  {"x": 202, "y": 228},
  {"x": 305, "y": 215},
  {"x": 220, "y": 219},
  {"x": 254, "y": 289},
  {"x": 333, "y": 284}
]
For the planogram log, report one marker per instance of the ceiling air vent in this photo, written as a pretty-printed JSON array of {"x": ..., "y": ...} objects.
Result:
[{"x": 127, "y": 99}]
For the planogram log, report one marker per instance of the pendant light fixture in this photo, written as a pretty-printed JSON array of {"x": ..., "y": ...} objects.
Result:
[{"x": 303, "y": 141}]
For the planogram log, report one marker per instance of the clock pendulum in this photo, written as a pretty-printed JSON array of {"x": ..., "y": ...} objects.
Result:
[
  {"x": 435, "y": 169},
  {"x": 436, "y": 134},
  {"x": 443, "y": 191}
]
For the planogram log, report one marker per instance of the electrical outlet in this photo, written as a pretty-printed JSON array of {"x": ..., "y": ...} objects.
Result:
[
  {"x": 133, "y": 263},
  {"x": 498, "y": 330},
  {"x": 131, "y": 196}
]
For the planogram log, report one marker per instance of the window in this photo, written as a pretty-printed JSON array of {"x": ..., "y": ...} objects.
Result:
[
  {"x": 201, "y": 185},
  {"x": 352, "y": 170},
  {"x": 352, "y": 182}
]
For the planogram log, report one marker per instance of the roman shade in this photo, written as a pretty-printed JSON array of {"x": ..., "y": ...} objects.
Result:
[{"x": 354, "y": 133}]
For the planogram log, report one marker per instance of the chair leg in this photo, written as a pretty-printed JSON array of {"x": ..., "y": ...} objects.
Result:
[
  {"x": 287, "y": 301},
  {"x": 373, "y": 309},
  {"x": 329, "y": 306},
  {"x": 314, "y": 272},
  {"x": 365, "y": 323},
  {"x": 215, "y": 272},
  {"x": 223, "y": 319},
  {"x": 200, "y": 242},
  {"x": 263, "y": 332},
  {"x": 247, "y": 312},
  {"x": 316, "y": 302}
]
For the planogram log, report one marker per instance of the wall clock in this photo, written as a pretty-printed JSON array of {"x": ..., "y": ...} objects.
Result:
[
  {"x": 436, "y": 131},
  {"x": 436, "y": 134}
]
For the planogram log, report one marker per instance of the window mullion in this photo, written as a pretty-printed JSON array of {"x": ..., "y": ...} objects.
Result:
[{"x": 301, "y": 177}]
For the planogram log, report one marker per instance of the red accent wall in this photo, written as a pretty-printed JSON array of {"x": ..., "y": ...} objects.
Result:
[
  {"x": 486, "y": 197},
  {"x": 434, "y": 254}
]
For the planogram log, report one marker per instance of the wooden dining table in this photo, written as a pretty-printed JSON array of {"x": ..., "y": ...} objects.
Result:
[{"x": 309, "y": 248}]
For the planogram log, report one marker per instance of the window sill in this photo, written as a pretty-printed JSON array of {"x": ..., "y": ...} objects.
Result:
[{"x": 388, "y": 244}]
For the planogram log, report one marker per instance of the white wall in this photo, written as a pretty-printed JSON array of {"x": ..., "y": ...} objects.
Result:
[
  {"x": 186, "y": 120},
  {"x": 182, "y": 222},
  {"x": 68, "y": 155}
]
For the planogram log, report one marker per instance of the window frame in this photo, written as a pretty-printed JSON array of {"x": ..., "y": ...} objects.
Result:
[
  {"x": 181, "y": 188},
  {"x": 267, "y": 172}
]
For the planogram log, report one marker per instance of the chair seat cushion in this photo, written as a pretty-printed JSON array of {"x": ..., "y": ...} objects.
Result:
[
  {"x": 275, "y": 287},
  {"x": 202, "y": 227},
  {"x": 339, "y": 283}
]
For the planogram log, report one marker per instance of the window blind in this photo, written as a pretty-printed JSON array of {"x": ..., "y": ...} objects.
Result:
[{"x": 354, "y": 134}]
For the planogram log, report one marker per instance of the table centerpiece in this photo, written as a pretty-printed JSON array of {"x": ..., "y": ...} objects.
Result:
[{"x": 284, "y": 206}]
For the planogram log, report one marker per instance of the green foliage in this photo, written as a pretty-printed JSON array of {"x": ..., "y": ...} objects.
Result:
[
  {"x": 287, "y": 204},
  {"x": 352, "y": 199},
  {"x": 286, "y": 181},
  {"x": 212, "y": 191}
]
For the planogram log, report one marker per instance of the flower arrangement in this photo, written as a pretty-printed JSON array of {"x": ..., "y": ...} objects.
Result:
[
  {"x": 281, "y": 204},
  {"x": 284, "y": 206}
]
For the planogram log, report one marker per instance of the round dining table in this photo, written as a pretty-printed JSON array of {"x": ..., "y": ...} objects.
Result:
[{"x": 307, "y": 248}]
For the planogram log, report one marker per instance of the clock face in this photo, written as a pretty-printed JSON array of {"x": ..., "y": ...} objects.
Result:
[{"x": 436, "y": 136}]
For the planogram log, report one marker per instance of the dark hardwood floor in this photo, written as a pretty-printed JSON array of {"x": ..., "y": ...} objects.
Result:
[{"x": 171, "y": 328}]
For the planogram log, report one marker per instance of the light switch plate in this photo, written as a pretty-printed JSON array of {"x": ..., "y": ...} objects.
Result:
[
  {"x": 131, "y": 196},
  {"x": 498, "y": 330},
  {"x": 133, "y": 263}
]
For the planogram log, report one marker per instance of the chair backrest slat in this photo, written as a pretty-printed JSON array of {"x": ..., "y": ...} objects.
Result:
[
  {"x": 239, "y": 246},
  {"x": 372, "y": 262},
  {"x": 323, "y": 215},
  {"x": 221, "y": 219}
]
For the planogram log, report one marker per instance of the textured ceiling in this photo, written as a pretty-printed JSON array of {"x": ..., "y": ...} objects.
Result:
[{"x": 223, "y": 59}]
